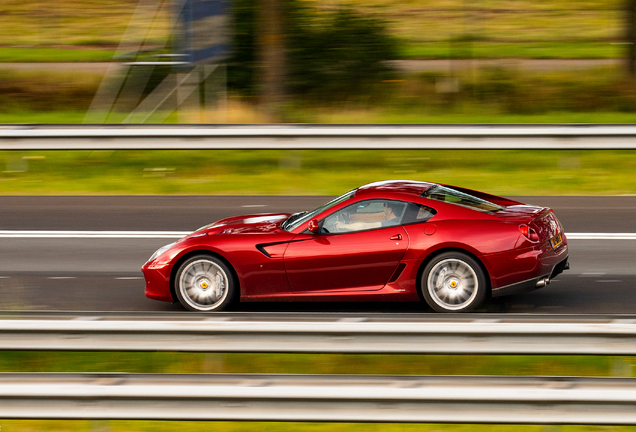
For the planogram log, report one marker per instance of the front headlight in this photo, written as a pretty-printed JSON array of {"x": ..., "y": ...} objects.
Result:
[{"x": 160, "y": 251}]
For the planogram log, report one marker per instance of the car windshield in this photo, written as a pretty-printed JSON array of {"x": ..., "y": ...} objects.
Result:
[
  {"x": 294, "y": 221},
  {"x": 441, "y": 193}
]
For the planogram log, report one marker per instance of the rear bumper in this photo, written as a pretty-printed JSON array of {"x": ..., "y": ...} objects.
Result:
[{"x": 532, "y": 283}]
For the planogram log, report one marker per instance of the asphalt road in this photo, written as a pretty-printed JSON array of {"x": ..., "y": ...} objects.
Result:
[{"x": 103, "y": 274}]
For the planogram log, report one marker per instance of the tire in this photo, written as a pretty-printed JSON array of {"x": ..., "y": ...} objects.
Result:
[
  {"x": 453, "y": 282},
  {"x": 204, "y": 283}
]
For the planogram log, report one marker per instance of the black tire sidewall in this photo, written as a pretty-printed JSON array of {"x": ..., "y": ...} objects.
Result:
[
  {"x": 229, "y": 299},
  {"x": 481, "y": 280}
]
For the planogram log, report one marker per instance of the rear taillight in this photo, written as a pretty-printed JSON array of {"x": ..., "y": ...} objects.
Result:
[
  {"x": 558, "y": 222},
  {"x": 529, "y": 233}
]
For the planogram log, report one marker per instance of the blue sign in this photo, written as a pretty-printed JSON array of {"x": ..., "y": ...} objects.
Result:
[{"x": 207, "y": 30}]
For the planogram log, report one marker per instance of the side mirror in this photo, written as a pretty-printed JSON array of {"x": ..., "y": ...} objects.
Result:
[{"x": 313, "y": 226}]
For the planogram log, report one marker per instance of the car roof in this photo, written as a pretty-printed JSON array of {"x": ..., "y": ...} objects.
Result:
[{"x": 411, "y": 187}]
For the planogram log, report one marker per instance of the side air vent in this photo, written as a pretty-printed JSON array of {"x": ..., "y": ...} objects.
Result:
[{"x": 398, "y": 271}]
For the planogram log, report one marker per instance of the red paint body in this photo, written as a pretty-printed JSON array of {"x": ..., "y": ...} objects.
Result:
[{"x": 378, "y": 264}]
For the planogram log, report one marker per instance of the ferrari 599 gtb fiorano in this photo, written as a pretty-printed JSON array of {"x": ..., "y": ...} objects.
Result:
[{"x": 387, "y": 241}]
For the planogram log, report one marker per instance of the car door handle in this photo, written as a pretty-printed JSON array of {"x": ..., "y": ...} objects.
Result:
[{"x": 397, "y": 237}]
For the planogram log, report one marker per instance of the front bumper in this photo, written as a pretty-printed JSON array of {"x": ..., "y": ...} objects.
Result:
[{"x": 157, "y": 282}]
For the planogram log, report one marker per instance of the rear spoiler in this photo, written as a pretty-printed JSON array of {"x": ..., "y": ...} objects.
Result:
[{"x": 492, "y": 198}]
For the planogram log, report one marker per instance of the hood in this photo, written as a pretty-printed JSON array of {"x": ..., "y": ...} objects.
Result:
[{"x": 255, "y": 223}]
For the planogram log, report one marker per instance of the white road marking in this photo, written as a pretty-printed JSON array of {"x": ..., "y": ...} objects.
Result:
[
  {"x": 608, "y": 280},
  {"x": 179, "y": 234},
  {"x": 62, "y": 277},
  {"x": 94, "y": 234},
  {"x": 600, "y": 236},
  {"x": 591, "y": 274},
  {"x": 5, "y": 277}
]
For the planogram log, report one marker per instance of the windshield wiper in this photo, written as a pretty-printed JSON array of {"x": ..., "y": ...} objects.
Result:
[
  {"x": 429, "y": 191},
  {"x": 290, "y": 219}
]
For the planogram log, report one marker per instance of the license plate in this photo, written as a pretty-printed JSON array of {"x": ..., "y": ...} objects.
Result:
[{"x": 556, "y": 241}]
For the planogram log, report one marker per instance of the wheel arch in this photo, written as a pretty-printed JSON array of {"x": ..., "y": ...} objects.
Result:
[
  {"x": 433, "y": 255},
  {"x": 190, "y": 254}
]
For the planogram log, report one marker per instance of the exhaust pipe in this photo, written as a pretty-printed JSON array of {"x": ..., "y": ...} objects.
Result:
[{"x": 543, "y": 282}]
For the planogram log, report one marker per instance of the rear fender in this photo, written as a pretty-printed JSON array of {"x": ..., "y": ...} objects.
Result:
[{"x": 449, "y": 247}]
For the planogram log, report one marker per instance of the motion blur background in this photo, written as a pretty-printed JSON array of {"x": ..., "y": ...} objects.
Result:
[
  {"x": 302, "y": 61},
  {"x": 332, "y": 61},
  {"x": 308, "y": 61}
]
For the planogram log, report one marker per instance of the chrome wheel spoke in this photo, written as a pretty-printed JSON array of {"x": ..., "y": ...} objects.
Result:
[
  {"x": 203, "y": 284},
  {"x": 463, "y": 295},
  {"x": 452, "y": 284}
]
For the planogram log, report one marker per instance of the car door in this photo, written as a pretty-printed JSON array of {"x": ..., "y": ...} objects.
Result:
[{"x": 362, "y": 258}]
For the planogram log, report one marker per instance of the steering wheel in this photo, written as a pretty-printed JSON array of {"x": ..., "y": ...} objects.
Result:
[{"x": 343, "y": 217}]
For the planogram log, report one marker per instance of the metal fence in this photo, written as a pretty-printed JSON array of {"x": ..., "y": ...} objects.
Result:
[
  {"x": 323, "y": 398},
  {"x": 319, "y": 398},
  {"x": 477, "y": 137},
  {"x": 484, "y": 335}
]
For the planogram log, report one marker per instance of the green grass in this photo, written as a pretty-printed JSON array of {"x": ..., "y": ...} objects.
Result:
[
  {"x": 386, "y": 115},
  {"x": 72, "y": 22},
  {"x": 530, "y": 50},
  {"x": 522, "y": 21},
  {"x": 48, "y": 55},
  {"x": 182, "y": 426},
  {"x": 313, "y": 172},
  {"x": 371, "y": 116},
  {"x": 389, "y": 116},
  {"x": 160, "y": 362},
  {"x": 19, "y": 117},
  {"x": 174, "y": 362},
  {"x": 499, "y": 28}
]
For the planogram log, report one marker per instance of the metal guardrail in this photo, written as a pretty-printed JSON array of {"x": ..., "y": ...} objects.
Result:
[
  {"x": 486, "y": 335},
  {"x": 76, "y": 137},
  {"x": 325, "y": 398}
]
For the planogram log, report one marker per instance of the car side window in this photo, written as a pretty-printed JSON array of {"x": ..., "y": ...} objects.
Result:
[
  {"x": 365, "y": 215},
  {"x": 417, "y": 213}
]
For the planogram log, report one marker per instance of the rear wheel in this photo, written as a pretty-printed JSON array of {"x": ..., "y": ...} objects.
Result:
[
  {"x": 453, "y": 282},
  {"x": 204, "y": 283}
]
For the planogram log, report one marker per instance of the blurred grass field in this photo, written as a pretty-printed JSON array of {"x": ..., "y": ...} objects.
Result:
[
  {"x": 161, "y": 362},
  {"x": 241, "y": 363},
  {"x": 201, "y": 426},
  {"x": 482, "y": 95},
  {"x": 77, "y": 30},
  {"x": 57, "y": 55},
  {"x": 377, "y": 115},
  {"x": 90, "y": 30},
  {"x": 313, "y": 172},
  {"x": 511, "y": 50},
  {"x": 408, "y": 50}
]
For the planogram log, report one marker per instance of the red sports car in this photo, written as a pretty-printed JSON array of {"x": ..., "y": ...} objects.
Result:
[{"x": 385, "y": 241}]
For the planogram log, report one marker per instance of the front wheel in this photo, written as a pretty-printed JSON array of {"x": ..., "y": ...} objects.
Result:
[
  {"x": 204, "y": 283},
  {"x": 453, "y": 282}
]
